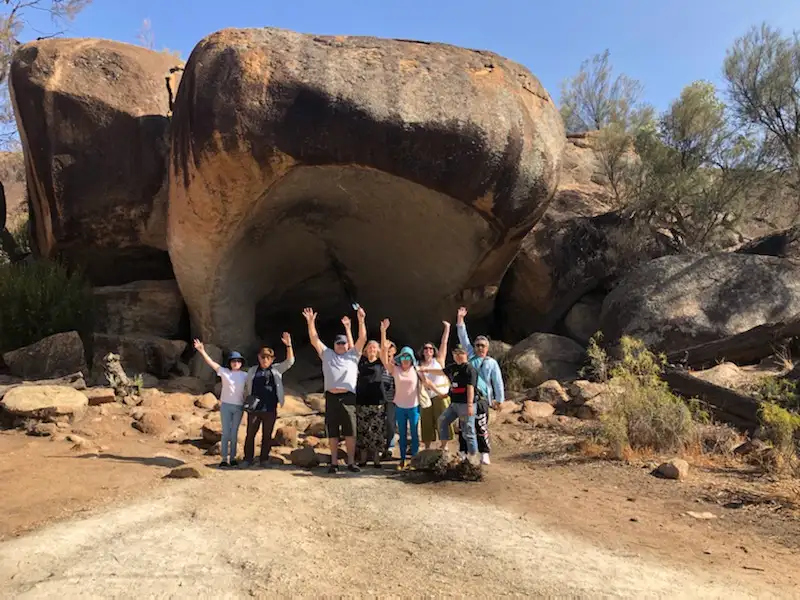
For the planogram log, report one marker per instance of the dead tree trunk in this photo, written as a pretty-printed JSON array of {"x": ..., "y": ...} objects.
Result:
[
  {"x": 725, "y": 405},
  {"x": 747, "y": 347}
]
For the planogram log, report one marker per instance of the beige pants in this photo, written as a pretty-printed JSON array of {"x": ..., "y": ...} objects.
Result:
[{"x": 429, "y": 419}]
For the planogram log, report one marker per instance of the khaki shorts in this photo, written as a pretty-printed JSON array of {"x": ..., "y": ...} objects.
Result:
[
  {"x": 340, "y": 415},
  {"x": 429, "y": 419}
]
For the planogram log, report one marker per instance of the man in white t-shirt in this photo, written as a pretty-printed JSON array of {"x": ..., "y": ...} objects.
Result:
[
  {"x": 340, "y": 371},
  {"x": 231, "y": 401}
]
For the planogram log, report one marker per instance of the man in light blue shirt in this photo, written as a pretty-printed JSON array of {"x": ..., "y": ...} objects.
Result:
[{"x": 490, "y": 383}]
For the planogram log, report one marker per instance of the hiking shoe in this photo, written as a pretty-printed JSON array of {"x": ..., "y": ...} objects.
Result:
[
  {"x": 333, "y": 469},
  {"x": 234, "y": 463},
  {"x": 224, "y": 464},
  {"x": 354, "y": 468},
  {"x": 387, "y": 455},
  {"x": 485, "y": 459}
]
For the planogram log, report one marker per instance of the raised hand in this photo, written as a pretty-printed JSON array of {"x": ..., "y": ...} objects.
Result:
[
  {"x": 362, "y": 314},
  {"x": 286, "y": 339},
  {"x": 446, "y": 324},
  {"x": 385, "y": 324},
  {"x": 462, "y": 312},
  {"x": 198, "y": 345},
  {"x": 309, "y": 315},
  {"x": 346, "y": 321}
]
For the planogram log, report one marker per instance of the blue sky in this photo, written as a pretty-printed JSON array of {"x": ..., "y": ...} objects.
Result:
[{"x": 666, "y": 44}]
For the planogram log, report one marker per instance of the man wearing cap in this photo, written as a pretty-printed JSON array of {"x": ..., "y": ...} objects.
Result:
[
  {"x": 490, "y": 382},
  {"x": 463, "y": 381},
  {"x": 340, "y": 372}
]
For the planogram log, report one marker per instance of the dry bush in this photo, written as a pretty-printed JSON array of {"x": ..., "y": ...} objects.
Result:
[{"x": 779, "y": 428}]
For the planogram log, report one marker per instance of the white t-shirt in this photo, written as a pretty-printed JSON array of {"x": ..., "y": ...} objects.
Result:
[
  {"x": 340, "y": 370},
  {"x": 441, "y": 382},
  {"x": 232, "y": 386}
]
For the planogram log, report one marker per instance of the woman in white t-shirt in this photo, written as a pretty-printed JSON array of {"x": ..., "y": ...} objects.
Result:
[
  {"x": 232, "y": 401},
  {"x": 434, "y": 358}
]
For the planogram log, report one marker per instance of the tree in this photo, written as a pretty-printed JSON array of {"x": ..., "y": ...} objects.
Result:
[
  {"x": 594, "y": 99},
  {"x": 698, "y": 170},
  {"x": 147, "y": 38},
  {"x": 762, "y": 69}
]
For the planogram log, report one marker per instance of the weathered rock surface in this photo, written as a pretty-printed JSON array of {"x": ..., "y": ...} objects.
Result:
[
  {"x": 100, "y": 395},
  {"x": 54, "y": 356},
  {"x": 316, "y": 402},
  {"x": 198, "y": 367},
  {"x": 783, "y": 244},
  {"x": 583, "y": 319},
  {"x": 43, "y": 401},
  {"x": 544, "y": 356},
  {"x": 552, "y": 393},
  {"x": 317, "y": 147},
  {"x": 139, "y": 307},
  {"x": 93, "y": 119},
  {"x": 537, "y": 410},
  {"x": 304, "y": 457},
  {"x": 677, "y": 301},
  {"x": 140, "y": 353}
]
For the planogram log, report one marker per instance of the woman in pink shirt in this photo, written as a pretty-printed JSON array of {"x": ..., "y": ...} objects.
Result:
[{"x": 406, "y": 399}]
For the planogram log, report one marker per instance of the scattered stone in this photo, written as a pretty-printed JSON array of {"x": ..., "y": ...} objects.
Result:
[
  {"x": 701, "y": 515},
  {"x": 286, "y": 436},
  {"x": 596, "y": 407},
  {"x": 316, "y": 426},
  {"x": 310, "y": 442},
  {"x": 426, "y": 460},
  {"x": 186, "y": 472},
  {"x": 582, "y": 390},
  {"x": 54, "y": 356},
  {"x": 552, "y": 393},
  {"x": 44, "y": 401},
  {"x": 509, "y": 406},
  {"x": 207, "y": 402},
  {"x": 675, "y": 468},
  {"x": 37, "y": 428},
  {"x": 212, "y": 432},
  {"x": 304, "y": 457},
  {"x": 316, "y": 402},
  {"x": 537, "y": 410},
  {"x": 293, "y": 406},
  {"x": 277, "y": 459},
  {"x": 154, "y": 423},
  {"x": 100, "y": 395}
]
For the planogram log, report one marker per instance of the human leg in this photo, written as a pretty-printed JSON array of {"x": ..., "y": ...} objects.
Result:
[
  {"x": 402, "y": 431},
  {"x": 333, "y": 420},
  {"x": 467, "y": 425},
  {"x": 267, "y": 430},
  {"x": 253, "y": 424},
  {"x": 226, "y": 417},
  {"x": 445, "y": 425},
  {"x": 413, "y": 423},
  {"x": 482, "y": 429},
  {"x": 427, "y": 422},
  {"x": 237, "y": 412},
  {"x": 391, "y": 428},
  {"x": 349, "y": 428}
]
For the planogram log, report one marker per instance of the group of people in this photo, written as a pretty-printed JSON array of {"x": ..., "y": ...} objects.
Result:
[{"x": 373, "y": 392}]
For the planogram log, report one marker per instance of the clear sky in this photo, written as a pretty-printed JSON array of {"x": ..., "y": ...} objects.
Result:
[{"x": 666, "y": 44}]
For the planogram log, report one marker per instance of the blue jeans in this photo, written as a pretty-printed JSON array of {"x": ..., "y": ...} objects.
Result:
[
  {"x": 231, "y": 415},
  {"x": 458, "y": 410},
  {"x": 407, "y": 417}
]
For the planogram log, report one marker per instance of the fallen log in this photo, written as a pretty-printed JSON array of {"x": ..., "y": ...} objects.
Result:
[
  {"x": 743, "y": 348},
  {"x": 726, "y": 405},
  {"x": 75, "y": 380}
]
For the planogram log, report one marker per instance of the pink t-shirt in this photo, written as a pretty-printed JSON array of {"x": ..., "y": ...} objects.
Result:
[{"x": 405, "y": 387}]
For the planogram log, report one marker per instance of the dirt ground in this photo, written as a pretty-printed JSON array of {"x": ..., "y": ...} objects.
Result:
[{"x": 546, "y": 521}]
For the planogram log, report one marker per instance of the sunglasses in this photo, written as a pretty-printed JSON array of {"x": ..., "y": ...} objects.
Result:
[
  {"x": 428, "y": 348},
  {"x": 265, "y": 356},
  {"x": 341, "y": 343}
]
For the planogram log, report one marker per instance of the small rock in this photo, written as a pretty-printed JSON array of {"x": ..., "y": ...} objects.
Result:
[
  {"x": 154, "y": 423},
  {"x": 701, "y": 515},
  {"x": 304, "y": 457},
  {"x": 100, "y": 395},
  {"x": 552, "y": 393},
  {"x": 509, "y": 407},
  {"x": 316, "y": 426},
  {"x": 310, "y": 442},
  {"x": 207, "y": 402},
  {"x": 537, "y": 410},
  {"x": 277, "y": 459},
  {"x": 212, "y": 432},
  {"x": 675, "y": 468},
  {"x": 316, "y": 402},
  {"x": 286, "y": 436},
  {"x": 215, "y": 450},
  {"x": 185, "y": 472},
  {"x": 749, "y": 447},
  {"x": 426, "y": 460},
  {"x": 42, "y": 429}
]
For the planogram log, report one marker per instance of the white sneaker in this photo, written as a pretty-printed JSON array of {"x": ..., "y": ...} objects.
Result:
[
  {"x": 462, "y": 456},
  {"x": 485, "y": 459}
]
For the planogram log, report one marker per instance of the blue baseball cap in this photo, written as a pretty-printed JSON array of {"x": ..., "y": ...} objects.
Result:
[{"x": 235, "y": 356}]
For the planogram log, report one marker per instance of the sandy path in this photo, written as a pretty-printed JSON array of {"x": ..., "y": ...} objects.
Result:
[{"x": 284, "y": 532}]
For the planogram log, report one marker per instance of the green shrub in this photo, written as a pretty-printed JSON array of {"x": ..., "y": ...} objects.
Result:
[
  {"x": 777, "y": 390},
  {"x": 40, "y": 298},
  {"x": 644, "y": 413},
  {"x": 779, "y": 427},
  {"x": 598, "y": 367}
]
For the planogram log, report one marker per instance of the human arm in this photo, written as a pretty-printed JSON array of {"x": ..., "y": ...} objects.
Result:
[
  {"x": 284, "y": 366},
  {"x": 362, "y": 330},
  {"x": 442, "y": 355},
  {"x": 461, "y": 329},
  {"x": 311, "y": 319},
  {"x": 496, "y": 378},
  {"x": 387, "y": 364},
  {"x": 348, "y": 331},
  {"x": 431, "y": 371},
  {"x": 198, "y": 345}
]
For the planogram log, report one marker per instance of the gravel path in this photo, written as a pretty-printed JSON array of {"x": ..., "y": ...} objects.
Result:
[{"x": 291, "y": 533}]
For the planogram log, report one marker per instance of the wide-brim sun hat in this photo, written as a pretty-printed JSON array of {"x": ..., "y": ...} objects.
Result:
[
  {"x": 407, "y": 353},
  {"x": 235, "y": 356}
]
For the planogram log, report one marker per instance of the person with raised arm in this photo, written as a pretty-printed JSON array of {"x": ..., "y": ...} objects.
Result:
[
  {"x": 264, "y": 387},
  {"x": 370, "y": 407},
  {"x": 388, "y": 390},
  {"x": 491, "y": 390},
  {"x": 435, "y": 358},
  {"x": 463, "y": 382},
  {"x": 231, "y": 408},
  {"x": 406, "y": 399},
  {"x": 340, "y": 373}
]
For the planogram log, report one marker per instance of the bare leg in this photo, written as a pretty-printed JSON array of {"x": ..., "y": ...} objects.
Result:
[
  {"x": 350, "y": 444},
  {"x": 333, "y": 444}
]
